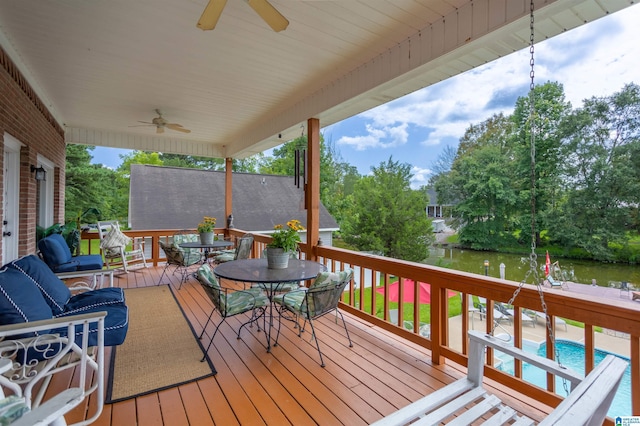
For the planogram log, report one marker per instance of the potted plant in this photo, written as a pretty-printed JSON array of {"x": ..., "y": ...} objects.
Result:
[
  {"x": 205, "y": 229},
  {"x": 284, "y": 243}
]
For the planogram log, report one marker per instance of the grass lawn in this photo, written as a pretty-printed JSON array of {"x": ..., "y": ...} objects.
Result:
[
  {"x": 455, "y": 306},
  {"x": 84, "y": 246}
]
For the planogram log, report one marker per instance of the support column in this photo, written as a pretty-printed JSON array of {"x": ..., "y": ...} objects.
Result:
[
  {"x": 312, "y": 190},
  {"x": 228, "y": 192}
]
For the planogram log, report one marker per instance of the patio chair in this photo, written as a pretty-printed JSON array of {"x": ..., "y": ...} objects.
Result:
[
  {"x": 626, "y": 288},
  {"x": 57, "y": 255},
  {"x": 118, "y": 249},
  {"x": 553, "y": 283},
  {"x": 180, "y": 259},
  {"x": 186, "y": 236},
  {"x": 242, "y": 251},
  {"x": 424, "y": 329},
  {"x": 319, "y": 299},
  {"x": 471, "y": 308},
  {"x": 558, "y": 320},
  {"x": 498, "y": 316},
  {"x": 524, "y": 318},
  {"x": 229, "y": 302}
]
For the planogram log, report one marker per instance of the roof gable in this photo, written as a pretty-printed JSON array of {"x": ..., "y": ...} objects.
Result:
[{"x": 178, "y": 198}]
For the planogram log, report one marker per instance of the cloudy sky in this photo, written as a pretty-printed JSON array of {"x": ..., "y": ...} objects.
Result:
[{"x": 415, "y": 129}]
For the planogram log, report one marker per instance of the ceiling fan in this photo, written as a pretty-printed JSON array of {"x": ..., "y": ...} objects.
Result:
[
  {"x": 269, "y": 14},
  {"x": 161, "y": 123}
]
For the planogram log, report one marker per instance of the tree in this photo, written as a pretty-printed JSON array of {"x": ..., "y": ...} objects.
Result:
[
  {"x": 481, "y": 182},
  {"x": 87, "y": 185},
  {"x": 488, "y": 198},
  {"x": 601, "y": 175},
  {"x": 551, "y": 109},
  {"x": 388, "y": 216}
]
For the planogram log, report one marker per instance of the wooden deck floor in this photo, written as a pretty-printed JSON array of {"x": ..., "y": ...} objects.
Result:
[{"x": 359, "y": 385}]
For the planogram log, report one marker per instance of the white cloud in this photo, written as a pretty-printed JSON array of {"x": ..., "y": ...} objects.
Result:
[
  {"x": 377, "y": 137},
  {"x": 420, "y": 177}
]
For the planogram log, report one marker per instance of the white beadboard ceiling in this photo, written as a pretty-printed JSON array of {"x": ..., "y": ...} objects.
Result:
[{"x": 100, "y": 66}]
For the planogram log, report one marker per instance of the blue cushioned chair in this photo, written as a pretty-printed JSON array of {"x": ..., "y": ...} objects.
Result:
[
  {"x": 30, "y": 291},
  {"x": 57, "y": 255}
]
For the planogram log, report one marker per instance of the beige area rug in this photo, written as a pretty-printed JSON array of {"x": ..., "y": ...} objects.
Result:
[{"x": 161, "y": 349}]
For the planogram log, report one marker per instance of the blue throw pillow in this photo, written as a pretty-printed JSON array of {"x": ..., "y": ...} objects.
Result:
[
  {"x": 20, "y": 299},
  {"x": 55, "y": 293}
]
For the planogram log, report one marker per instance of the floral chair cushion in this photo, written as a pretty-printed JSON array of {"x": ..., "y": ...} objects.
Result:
[
  {"x": 11, "y": 409},
  {"x": 228, "y": 301},
  {"x": 321, "y": 297},
  {"x": 191, "y": 255}
]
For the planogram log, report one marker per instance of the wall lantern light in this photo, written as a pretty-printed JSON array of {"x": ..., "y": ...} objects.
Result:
[{"x": 41, "y": 173}]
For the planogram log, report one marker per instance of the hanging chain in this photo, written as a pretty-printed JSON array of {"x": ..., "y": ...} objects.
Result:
[{"x": 533, "y": 257}]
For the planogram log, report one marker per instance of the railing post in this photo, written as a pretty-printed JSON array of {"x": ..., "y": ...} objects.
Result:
[
  {"x": 635, "y": 373},
  {"x": 436, "y": 325}
]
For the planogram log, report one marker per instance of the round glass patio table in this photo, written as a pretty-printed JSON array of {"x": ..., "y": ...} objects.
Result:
[{"x": 256, "y": 271}]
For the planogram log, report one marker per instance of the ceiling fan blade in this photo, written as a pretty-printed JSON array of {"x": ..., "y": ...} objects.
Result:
[
  {"x": 145, "y": 122},
  {"x": 178, "y": 127},
  {"x": 271, "y": 16},
  {"x": 159, "y": 130},
  {"x": 211, "y": 14}
]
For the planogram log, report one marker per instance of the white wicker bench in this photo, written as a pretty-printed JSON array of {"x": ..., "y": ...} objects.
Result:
[{"x": 587, "y": 403}]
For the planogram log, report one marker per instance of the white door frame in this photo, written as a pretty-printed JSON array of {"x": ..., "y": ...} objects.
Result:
[
  {"x": 45, "y": 194},
  {"x": 11, "y": 193}
]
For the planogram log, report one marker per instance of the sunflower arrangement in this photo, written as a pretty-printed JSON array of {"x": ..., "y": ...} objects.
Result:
[
  {"x": 207, "y": 225},
  {"x": 287, "y": 237}
]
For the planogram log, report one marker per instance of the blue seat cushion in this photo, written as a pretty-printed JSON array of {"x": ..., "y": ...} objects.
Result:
[
  {"x": 20, "y": 299},
  {"x": 87, "y": 301},
  {"x": 55, "y": 293},
  {"x": 116, "y": 323},
  {"x": 87, "y": 262}
]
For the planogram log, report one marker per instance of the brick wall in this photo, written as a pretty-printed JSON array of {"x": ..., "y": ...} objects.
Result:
[{"x": 25, "y": 117}]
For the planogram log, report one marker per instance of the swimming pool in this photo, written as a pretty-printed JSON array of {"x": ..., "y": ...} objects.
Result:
[{"x": 572, "y": 356}]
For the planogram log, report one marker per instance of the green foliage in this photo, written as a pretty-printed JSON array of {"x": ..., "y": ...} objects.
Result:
[
  {"x": 69, "y": 232},
  {"x": 91, "y": 186},
  {"x": 388, "y": 216},
  {"x": 587, "y": 175}
]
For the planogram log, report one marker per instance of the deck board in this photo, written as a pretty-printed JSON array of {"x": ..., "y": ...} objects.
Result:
[{"x": 379, "y": 374}]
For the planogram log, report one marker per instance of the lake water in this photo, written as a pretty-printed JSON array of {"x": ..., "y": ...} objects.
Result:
[{"x": 516, "y": 266}]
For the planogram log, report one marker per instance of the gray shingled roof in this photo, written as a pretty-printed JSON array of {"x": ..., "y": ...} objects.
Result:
[{"x": 178, "y": 198}]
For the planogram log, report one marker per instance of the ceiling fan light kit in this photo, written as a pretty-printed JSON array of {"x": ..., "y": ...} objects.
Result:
[{"x": 267, "y": 12}]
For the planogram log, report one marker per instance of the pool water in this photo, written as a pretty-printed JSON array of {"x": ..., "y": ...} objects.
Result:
[{"x": 571, "y": 356}]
